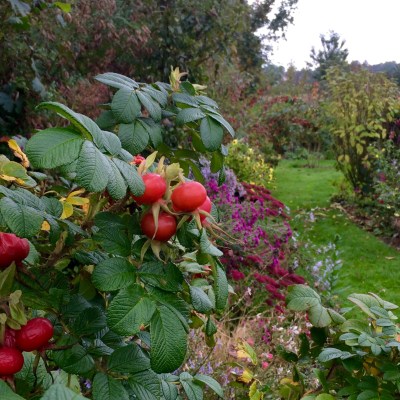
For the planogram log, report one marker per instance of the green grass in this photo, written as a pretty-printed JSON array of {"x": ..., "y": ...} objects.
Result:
[{"x": 368, "y": 263}]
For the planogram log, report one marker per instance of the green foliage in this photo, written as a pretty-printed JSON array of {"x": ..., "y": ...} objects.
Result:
[
  {"x": 359, "y": 354},
  {"x": 248, "y": 164},
  {"x": 121, "y": 315},
  {"x": 360, "y": 106},
  {"x": 333, "y": 54}
]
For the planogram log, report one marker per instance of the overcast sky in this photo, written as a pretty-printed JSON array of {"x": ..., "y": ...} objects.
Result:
[{"x": 371, "y": 29}]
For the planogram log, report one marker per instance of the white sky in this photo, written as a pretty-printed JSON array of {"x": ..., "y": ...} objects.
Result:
[{"x": 370, "y": 28}]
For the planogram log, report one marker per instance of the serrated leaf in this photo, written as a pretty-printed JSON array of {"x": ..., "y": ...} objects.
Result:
[
  {"x": 128, "y": 360},
  {"x": 131, "y": 176},
  {"x": 89, "y": 321},
  {"x": 106, "y": 387},
  {"x": 224, "y": 123},
  {"x": 61, "y": 392},
  {"x": 157, "y": 95},
  {"x": 184, "y": 98},
  {"x": 192, "y": 390},
  {"x": 116, "y": 185},
  {"x": 75, "y": 360},
  {"x": 117, "y": 81},
  {"x": 134, "y": 137},
  {"x": 125, "y": 105},
  {"x": 113, "y": 234},
  {"x": 330, "y": 353},
  {"x": 7, "y": 280},
  {"x": 302, "y": 298},
  {"x": 150, "y": 105},
  {"x": 211, "y": 134},
  {"x": 54, "y": 147},
  {"x": 145, "y": 385},
  {"x": 168, "y": 341},
  {"x": 207, "y": 247},
  {"x": 113, "y": 274},
  {"x": 129, "y": 310},
  {"x": 220, "y": 287},
  {"x": 92, "y": 168},
  {"x": 111, "y": 143},
  {"x": 200, "y": 300},
  {"x": 154, "y": 131},
  {"x": 211, "y": 383},
  {"x": 23, "y": 221},
  {"x": 188, "y": 115},
  {"x": 167, "y": 277},
  {"x": 207, "y": 101}
]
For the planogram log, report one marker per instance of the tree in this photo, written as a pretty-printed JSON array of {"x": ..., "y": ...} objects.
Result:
[{"x": 332, "y": 54}]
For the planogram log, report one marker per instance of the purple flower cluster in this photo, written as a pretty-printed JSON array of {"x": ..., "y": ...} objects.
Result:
[{"x": 258, "y": 221}]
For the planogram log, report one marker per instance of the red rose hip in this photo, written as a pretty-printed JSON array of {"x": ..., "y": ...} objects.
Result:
[
  {"x": 206, "y": 206},
  {"x": 12, "y": 248},
  {"x": 11, "y": 361},
  {"x": 154, "y": 188},
  {"x": 188, "y": 196},
  {"x": 166, "y": 226},
  {"x": 35, "y": 334}
]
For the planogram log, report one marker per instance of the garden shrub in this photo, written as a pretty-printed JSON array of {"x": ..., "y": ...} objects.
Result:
[
  {"x": 356, "y": 351},
  {"x": 121, "y": 303},
  {"x": 359, "y": 108},
  {"x": 248, "y": 164}
]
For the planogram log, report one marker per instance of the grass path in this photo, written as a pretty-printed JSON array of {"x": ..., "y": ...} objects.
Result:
[{"x": 368, "y": 263}]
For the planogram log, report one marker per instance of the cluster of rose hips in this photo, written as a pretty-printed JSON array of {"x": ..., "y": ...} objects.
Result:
[
  {"x": 35, "y": 335},
  {"x": 187, "y": 197}
]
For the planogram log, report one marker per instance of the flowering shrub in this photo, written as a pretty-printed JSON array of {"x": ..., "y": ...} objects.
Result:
[
  {"x": 258, "y": 260},
  {"x": 248, "y": 164}
]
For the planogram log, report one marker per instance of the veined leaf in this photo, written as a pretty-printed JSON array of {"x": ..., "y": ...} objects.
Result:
[
  {"x": 168, "y": 341},
  {"x": 113, "y": 274},
  {"x": 188, "y": 115},
  {"x": 116, "y": 185},
  {"x": 106, "y": 387},
  {"x": 125, "y": 105},
  {"x": 117, "y": 81},
  {"x": 224, "y": 123},
  {"x": 211, "y": 134},
  {"x": 92, "y": 168},
  {"x": 145, "y": 385},
  {"x": 54, "y": 147},
  {"x": 134, "y": 137},
  {"x": 150, "y": 105},
  {"x": 131, "y": 176},
  {"x": 128, "y": 360}
]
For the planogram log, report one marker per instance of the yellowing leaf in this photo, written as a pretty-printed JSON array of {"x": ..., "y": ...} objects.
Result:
[
  {"x": 45, "y": 226},
  {"x": 68, "y": 210},
  {"x": 76, "y": 193},
  {"x": 13, "y": 145},
  {"x": 77, "y": 201},
  {"x": 246, "y": 377}
]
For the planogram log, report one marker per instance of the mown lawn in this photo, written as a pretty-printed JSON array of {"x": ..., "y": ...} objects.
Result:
[{"x": 368, "y": 263}]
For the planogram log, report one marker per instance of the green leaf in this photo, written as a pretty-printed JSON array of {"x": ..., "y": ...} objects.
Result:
[
  {"x": 184, "y": 98},
  {"x": 131, "y": 176},
  {"x": 200, "y": 300},
  {"x": 211, "y": 328},
  {"x": 325, "y": 396},
  {"x": 113, "y": 234},
  {"x": 125, "y": 105},
  {"x": 302, "y": 298},
  {"x": 129, "y": 310},
  {"x": 154, "y": 131},
  {"x": 220, "y": 288},
  {"x": 188, "y": 115},
  {"x": 89, "y": 321},
  {"x": 106, "y": 387},
  {"x": 75, "y": 360},
  {"x": 116, "y": 185},
  {"x": 53, "y": 206},
  {"x": 368, "y": 395},
  {"x": 169, "y": 390},
  {"x": 168, "y": 341},
  {"x": 145, "y": 385},
  {"x": 224, "y": 123},
  {"x": 207, "y": 247},
  {"x": 128, "y": 360},
  {"x": 111, "y": 143},
  {"x": 330, "y": 353},
  {"x": 319, "y": 316},
  {"x": 7, "y": 280},
  {"x": 364, "y": 301},
  {"x": 6, "y": 393},
  {"x": 117, "y": 81},
  {"x": 66, "y": 7},
  {"x": 61, "y": 392},
  {"x": 134, "y": 137},
  {"x": 157, "y": 95},
  {"x": 82, "y": 123},
  {"x": 207, "y": 101},
  {"x": 113, "y": 274},
  {"x": 22, "y": 220},
  {"x": 211, "y": 134},
  {"x": 211, "y": 383},
  {"x": 92, "y": 168},
  {"x": 150, "y": 105},
  {"x": 53, "y": 147},
  {"x": 167, "y": 277},
  {"x": 217, "y": 162},
  {"x": 192, "y": 390}
]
